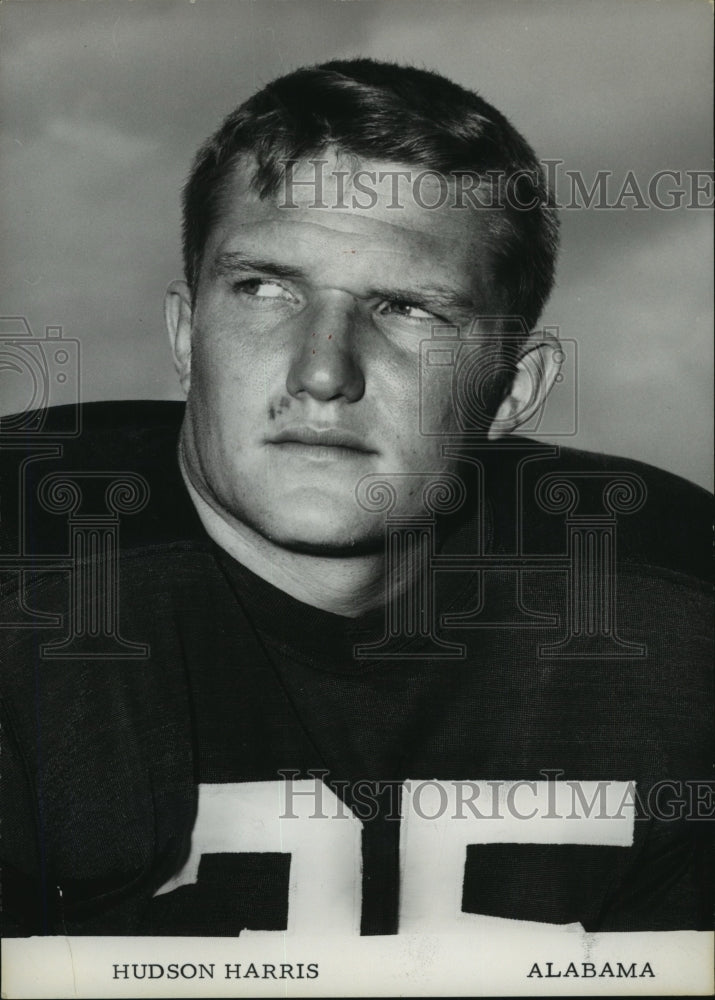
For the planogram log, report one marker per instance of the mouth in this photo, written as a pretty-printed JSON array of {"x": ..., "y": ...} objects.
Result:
[{"x": 320, "y": 443}]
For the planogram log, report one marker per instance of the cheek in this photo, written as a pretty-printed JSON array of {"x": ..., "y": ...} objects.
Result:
[
  {"x": 229, "y": 374},
  {"x": 412, "y": 407},
  {"x": 434, "y": 412}
]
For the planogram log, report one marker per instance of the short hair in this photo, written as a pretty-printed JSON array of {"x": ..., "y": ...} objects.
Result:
[{"x": 383, "y": 111}]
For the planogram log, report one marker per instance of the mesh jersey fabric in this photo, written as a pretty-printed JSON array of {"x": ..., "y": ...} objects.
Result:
[{"x": 105, "y": 760}]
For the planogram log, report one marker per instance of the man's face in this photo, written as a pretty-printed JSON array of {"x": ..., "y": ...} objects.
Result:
[{"x": 303, "y": 354}]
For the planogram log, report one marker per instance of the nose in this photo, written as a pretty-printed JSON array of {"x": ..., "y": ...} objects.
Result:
[{"x": 326, "y": 364}]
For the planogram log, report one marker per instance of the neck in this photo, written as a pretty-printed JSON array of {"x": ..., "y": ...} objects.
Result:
[{"x": 343, "y": 586}]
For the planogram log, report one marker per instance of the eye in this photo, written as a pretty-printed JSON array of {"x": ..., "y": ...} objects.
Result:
[
  {"x": 262, "y": 288},
  {"x": 405, "y": 310}
]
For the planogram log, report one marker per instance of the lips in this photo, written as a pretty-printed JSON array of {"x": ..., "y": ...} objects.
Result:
[{"x": 321, "y": 438}]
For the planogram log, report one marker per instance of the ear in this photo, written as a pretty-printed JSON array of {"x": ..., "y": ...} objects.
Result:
[
  {"x": 536, "y": 371},
  {"x": 178, "y": 314}
]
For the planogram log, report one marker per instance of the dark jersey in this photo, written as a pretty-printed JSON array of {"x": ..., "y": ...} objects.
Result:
[{"x": 191, "y": 751}]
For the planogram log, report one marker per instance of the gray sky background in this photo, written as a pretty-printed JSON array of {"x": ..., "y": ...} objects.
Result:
[{"x": 104, "y": 102}]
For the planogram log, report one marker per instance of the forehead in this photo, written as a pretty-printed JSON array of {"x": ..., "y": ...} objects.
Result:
[{"x": 349, "y": 214}]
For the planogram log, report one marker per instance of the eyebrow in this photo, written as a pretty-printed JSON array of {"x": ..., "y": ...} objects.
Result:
[
  {"x": 226, "y": 264},
  {"x": 427, "y": 297}
]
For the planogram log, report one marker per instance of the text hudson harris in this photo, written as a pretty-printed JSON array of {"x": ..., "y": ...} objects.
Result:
[{"x": 190, "y": 970}]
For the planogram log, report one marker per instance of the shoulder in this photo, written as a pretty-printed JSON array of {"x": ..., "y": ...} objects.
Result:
[
  {"x": 114, "y": 459},
  {"x": 661, "y": 520},
  {"x": 119, "y": 432}
]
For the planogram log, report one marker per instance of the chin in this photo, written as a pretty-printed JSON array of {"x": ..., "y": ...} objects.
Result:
[
  {"x": 322, "y": 536},
  {"x": 332, "y": 548}
]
